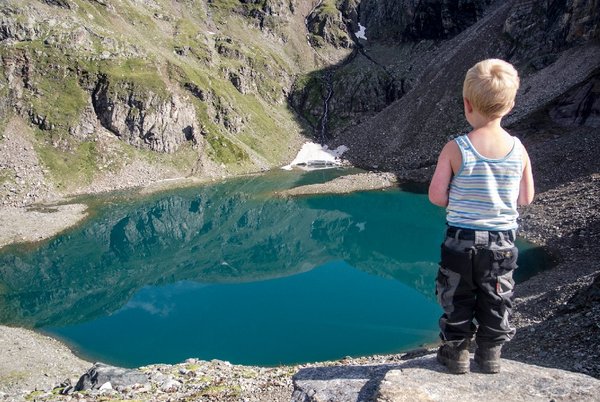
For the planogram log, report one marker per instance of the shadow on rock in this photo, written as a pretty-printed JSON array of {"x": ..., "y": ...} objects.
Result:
[{"x": 354, "y": 383}]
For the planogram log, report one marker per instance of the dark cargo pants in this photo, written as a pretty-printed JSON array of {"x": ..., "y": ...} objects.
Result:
[{"x": 474, "y": 285}]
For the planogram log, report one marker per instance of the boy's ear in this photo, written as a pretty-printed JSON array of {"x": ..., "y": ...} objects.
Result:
[{"x": 468, "y": 106}]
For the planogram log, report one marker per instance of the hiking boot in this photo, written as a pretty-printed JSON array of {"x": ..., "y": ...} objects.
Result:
[
  {"x": 455, "y": 356},
  {"x": 487, "y": 358}
]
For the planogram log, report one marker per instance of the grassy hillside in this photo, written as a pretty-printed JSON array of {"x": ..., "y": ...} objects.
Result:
[{"x": 161, "y": 76}]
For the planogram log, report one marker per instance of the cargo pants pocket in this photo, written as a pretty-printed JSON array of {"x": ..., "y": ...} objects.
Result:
[
  {"x": 454, "y": 270},
  {"x": 505, "y": 262}
]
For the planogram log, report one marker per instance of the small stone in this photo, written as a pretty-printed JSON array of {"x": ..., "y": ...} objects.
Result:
[
  {"x": 106, "y": 386},
  {"x": 170, "y": 386}
]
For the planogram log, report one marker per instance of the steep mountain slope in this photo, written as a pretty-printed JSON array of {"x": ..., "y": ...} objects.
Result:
[
  {"x": 162, "y": 88},
  {"x": 107, "y": 93},
  {"x": 554, "y": 46}
]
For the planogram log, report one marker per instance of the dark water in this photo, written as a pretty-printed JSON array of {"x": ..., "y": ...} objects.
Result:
[{"x": 230, "y": 271}]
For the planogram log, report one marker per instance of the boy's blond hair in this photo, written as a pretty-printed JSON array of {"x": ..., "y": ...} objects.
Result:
[{"x": 491, "y": 86}]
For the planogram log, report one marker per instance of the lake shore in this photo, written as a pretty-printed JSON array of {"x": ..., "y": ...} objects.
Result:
[{"x": 556, "y": 312}]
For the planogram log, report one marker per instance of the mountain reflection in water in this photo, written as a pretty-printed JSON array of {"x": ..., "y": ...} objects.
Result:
[{"x": 231, "y": 232}]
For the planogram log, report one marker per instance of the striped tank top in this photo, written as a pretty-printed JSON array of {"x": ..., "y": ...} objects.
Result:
[{"x": 484, "y": 192}]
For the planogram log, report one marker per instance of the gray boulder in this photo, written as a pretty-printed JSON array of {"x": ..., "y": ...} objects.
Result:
[
  {"x": 424, "y": 379},
  {"x": 100, "y": 374}
]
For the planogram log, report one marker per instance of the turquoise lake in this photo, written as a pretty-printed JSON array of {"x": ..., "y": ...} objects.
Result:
[{"x": 233, "y": 272}]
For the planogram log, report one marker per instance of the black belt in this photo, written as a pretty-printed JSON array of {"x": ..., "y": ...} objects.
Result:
[{"x": 469, "y": 234}]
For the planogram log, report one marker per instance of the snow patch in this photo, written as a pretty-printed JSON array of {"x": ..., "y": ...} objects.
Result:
[
  {"x": 360, "y": 34},
  {"x": 313, "y": 155}
]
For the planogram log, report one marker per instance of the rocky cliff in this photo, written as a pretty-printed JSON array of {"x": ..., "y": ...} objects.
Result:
[
  {"x": 116, "y": 86},
  {"x": 209, "y": 83},
  {"x": 553, "y": 42}
]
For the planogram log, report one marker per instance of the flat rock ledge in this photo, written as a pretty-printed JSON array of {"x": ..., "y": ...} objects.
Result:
[
  {"x": 345, "y": 184},
  {"x": 424, "y": 379}
]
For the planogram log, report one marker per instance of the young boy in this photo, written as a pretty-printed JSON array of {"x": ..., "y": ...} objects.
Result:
[{"x": 480, "y": 178}]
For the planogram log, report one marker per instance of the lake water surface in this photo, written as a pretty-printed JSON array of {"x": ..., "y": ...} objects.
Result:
[{"x": 232, "y": 272}]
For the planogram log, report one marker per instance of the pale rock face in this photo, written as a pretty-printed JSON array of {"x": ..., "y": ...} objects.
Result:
[
  {"x": 146, "y": 120},
  {"x": 13, "y": 29},
  {"x": 88, "y": 124}
]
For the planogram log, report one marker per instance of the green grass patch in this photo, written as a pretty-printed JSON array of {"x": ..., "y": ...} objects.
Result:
[
  {"x": 329, "y": 8},
  {"x": 142, "y": 21},
  {"x": 141, "y": 74},
  {"x": 13, "y": 376},
  {"x": 88, "y": 8},
  {"x": 193, "y": 366},
  {"x": 221, "y": 149},
  {"x": 188, "y": 35},
  {"x": 184, "y": 74},
  {"x": 61, "y": 101},
  {"x": 226, "y": 5},
  {"x": 53, "y": 91},
  {"x": 183, "y": 160},
  {"x": 264, "y": 129},
  {"x": 221, "y": 390},
  {"x": 69, "y": 168},
  {"x": 248, "y": 373},
  {"x": 34, "y": 395},
  {"x": 224, "y": 150}
]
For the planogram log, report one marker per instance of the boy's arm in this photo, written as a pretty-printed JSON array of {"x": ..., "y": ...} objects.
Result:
[
  {"x": 440, "y": 182},
  {"x": 526, "y": 188}
]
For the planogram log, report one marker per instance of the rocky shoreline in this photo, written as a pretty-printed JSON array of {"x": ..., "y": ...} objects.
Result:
[{"x": 556, "y": 313}]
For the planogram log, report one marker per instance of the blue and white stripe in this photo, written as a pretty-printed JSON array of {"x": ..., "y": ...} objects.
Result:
[{"x": 484, "y": 192}]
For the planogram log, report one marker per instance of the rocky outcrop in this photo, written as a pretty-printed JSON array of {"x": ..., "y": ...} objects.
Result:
[
  {"x": 538, "y": 31},
  {"x": 60, "y": 3},
  {"x": 143, "y": 118},
  {"x": 267, "y": 14},
  {"x": 409, "y": 133},
  {"x": 355, "y": 92},
  {"x": 580, "y": 106},
  {"x": 100, "y": 374},
  {"x": 164, "y": 77},
  {"x": 411, "y": 20},
  {"x": 250, "y": 74},
  {"x": 135, "y": 113},
  {"x": 370, "y": 79},
  {"x": 19, "y": 29},
  {"x": 326, "y": 25},
  {"x": 424, "y": 379}
]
